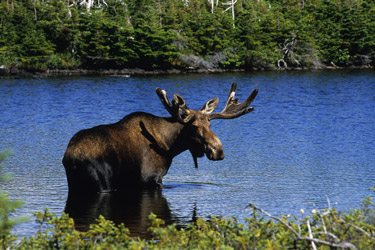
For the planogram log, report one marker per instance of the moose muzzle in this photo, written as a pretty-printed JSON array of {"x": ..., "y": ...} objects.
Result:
[{"x": 214, "y": 150}]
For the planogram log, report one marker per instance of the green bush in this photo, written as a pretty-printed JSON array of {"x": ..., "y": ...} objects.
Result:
[
  {"x": 7, "y": 207},
  {"x": 326, "y": 229},
  {"x": 59, "y": 233}
]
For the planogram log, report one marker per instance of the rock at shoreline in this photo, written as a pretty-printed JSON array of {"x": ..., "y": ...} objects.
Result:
[{"x": 14, "y": 72}]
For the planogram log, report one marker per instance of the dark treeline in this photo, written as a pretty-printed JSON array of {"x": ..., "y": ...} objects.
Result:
[{"x": 186, "y": 34}]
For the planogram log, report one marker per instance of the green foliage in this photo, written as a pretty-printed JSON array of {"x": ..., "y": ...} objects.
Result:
[
  {"x": 59, "y": 233},
  {"x": 7, "y": 207},
  {"x": 155, "y": 34},
  {"x": 345, "y": 29},
  {"x": 328, "y": 228}
]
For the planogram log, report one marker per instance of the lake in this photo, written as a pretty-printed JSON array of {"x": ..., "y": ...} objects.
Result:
[{"x": 310, "y": 143}]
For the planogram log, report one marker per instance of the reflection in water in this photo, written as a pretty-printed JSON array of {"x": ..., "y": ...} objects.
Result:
[{"x": 131, "y": 208}]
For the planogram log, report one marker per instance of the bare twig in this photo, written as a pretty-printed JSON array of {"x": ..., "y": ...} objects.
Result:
[
  {"x": 358, "y": 228},
  {"x": 328, "y": 234},
  {"x": 315, "y": 240},
  {"x": 231, "y": 4},
  {"x": 310, "y": 234},
  {"x": 329, "y": 205}
]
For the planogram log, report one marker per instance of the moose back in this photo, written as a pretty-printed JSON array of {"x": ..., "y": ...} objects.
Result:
[{"x": 138, "y": 150}]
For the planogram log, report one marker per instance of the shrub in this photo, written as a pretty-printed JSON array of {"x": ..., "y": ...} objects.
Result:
[
  {"x": 7, "y": 207},
  {"x": 326, "y": 229}
]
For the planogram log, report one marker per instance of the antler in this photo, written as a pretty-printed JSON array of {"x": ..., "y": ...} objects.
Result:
[
  {"x": 178, "y": 109},
  {"x": 233, "y": 109}
]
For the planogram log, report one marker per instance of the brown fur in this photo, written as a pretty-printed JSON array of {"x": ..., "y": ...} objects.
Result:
[{"x": 137, "y": 150}]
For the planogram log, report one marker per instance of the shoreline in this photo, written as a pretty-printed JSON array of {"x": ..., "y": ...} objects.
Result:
[{"x": 40, "y": 73}]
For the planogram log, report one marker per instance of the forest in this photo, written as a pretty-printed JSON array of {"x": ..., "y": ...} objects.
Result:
[{"x": 213, "y": 35}]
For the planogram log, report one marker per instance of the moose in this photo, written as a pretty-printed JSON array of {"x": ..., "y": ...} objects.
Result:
[{"x": 137, "y": 151}]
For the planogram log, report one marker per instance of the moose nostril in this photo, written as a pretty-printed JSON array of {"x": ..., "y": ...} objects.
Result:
[{"x": 220, "y": 154}]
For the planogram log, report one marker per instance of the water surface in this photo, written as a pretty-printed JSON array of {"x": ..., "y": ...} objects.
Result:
[{"x": 310, "y": 138}]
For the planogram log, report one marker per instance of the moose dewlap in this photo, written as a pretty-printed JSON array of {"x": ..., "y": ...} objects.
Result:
[{"x": 138, "y": 150}]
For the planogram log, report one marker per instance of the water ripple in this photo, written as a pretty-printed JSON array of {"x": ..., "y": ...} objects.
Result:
[{"x": 310, "y": 137}]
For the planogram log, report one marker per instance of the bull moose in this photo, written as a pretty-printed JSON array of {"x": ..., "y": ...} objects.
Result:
[{"x": 138, "y": 150}]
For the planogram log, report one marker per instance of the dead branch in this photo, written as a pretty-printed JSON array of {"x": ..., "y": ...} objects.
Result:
[
  {"x": 310, "y": 234},
  {"x": 342, "y": 244},
  {"x": 288, "y": 52},
  {"x": 359, "y": 229},
  {"x": 231, "y": 4}
]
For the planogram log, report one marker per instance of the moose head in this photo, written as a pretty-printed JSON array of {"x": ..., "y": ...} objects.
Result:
[
  {"x": 138, "y": 150},
  {"x": 203, "y": 140}
]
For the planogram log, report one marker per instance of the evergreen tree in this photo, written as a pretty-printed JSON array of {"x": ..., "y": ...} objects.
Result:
[{"x": 155, "y": 34}]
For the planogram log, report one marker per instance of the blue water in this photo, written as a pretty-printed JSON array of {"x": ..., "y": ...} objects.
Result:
[{"x": 309, "y": 143}]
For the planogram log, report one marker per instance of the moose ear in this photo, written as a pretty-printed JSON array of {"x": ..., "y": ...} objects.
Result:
[{"x": 210, "y": 106}]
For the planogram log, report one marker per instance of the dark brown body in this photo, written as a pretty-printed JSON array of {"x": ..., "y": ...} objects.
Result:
[{"x": 137, "y": 151}]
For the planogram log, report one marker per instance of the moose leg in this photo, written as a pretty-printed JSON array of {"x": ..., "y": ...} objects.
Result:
[
  {"x": 152, "y": 182},
  {"x": 89, "y": 177}
]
